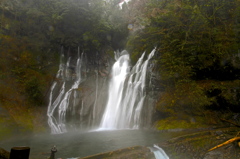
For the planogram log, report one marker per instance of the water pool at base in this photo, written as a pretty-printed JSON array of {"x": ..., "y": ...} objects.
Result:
[{"x": 81, "y": 144}]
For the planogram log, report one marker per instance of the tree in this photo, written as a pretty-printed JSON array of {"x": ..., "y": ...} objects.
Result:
[{"x": 198, "y": 43}]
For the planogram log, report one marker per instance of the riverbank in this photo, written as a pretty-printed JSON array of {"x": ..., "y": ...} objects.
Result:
[
  {"x": 197, "y": 145},
  {"x": 193, "y": 145},
  {"x": 83, "y": 144},
  {"x": 185, "y": 143}
]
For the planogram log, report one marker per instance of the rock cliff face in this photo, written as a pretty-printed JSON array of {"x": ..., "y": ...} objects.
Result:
[
  {"x": 79, "y": 93},
  {"x": 83, "y": 106},
  {"x": 87, "y": 102}
]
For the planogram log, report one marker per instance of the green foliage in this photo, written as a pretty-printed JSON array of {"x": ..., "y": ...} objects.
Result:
[
  {"x": 50, "y": 23},
  {"x": 32, "y": 31},
  {"x": 226, "y": 93},
  {"x": 184, "y": 97},
  {"x": 198, "y": 49},
  {"x": 33, "y": 90},
  {"x": 189, "y": 34},
  {"x": 174, "y": 123}
]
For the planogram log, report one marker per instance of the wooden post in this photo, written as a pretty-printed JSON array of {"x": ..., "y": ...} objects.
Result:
[{"x": 20, "y": 152}]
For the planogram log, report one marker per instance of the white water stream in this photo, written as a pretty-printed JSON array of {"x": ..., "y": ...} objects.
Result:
[
  {"x": 159, "y": 153},
  {"x": 62, "y": 102},
  {"x": 126, "y": 93},
  {"x": 125, "y": 102}
]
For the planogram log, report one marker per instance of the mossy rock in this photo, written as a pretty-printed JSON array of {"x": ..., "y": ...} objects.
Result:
[
  {"x": 139, "y": 152},
  {"x": 4, "y": 154},
  {"x": 173, "y": 123}
]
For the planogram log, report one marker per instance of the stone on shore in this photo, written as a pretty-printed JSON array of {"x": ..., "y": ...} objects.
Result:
[{"x": 4, "y": 154}]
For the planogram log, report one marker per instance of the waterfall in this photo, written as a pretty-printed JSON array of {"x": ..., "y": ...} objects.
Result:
[
  {"x": 73, "y": 106},
  {"x": 159, "y": 153},
  {"x": 126, "y": 93},
  {"x": 59, "y": 105}
]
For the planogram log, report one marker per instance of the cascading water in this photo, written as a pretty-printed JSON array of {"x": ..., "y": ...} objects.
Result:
[
  {"x": 61, "y": 103},
  {"x": 126, "y": 93},
  {"x": 159, "y": 153},
  {"x": 79, "y": 102}
]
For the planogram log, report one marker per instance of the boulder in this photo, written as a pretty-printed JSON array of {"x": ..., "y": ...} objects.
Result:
[
  {"x": 4, "y": 154},
  {"x": 129, "y": 153}
]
